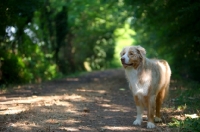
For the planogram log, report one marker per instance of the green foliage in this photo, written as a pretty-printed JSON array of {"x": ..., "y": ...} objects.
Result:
[
  {"x": 49, "y": 38},
  {"x": 25, "y": 66},
  {"x": 187, "y": 125},
  {"x": 17, "y": 14},
  {"x": 13, "y": 68},
  {"x": 83, "y": 34},
  {"x": 185, "y": 99},
  {"x": 188, "y": 94},
  {"x": 39, "y": 65}
]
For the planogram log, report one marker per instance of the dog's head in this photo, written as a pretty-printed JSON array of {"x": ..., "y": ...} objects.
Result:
[{"x": 132, "y": 56}]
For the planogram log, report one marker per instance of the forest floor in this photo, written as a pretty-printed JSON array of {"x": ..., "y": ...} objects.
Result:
[{"x": 93, "y": 102}]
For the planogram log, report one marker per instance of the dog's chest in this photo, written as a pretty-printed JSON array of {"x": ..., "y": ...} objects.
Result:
[{"x": 137, "y": 85}]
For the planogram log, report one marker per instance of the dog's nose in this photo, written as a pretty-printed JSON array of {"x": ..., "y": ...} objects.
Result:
[{"x": 122, "y": 60}]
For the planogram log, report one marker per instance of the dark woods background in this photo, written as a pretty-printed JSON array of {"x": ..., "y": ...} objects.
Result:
[{"x": 45, "y": 39}]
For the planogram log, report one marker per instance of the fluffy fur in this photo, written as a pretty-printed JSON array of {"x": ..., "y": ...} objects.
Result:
[{"x": 148, "y": 80}]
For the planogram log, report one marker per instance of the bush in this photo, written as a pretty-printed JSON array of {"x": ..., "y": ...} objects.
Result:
[{"x": 13, "y": 69}]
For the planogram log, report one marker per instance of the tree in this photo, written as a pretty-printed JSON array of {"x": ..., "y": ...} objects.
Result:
[
  {"x": 60, "y": 37},
  {"x": 80, "y": 32},
  {"x": 15, "y": 15}
]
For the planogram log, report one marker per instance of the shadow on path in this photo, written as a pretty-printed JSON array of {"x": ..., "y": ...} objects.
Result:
[{"x": 94, "y": 102}]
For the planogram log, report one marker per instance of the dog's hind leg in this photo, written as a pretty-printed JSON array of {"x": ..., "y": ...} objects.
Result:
[{"x": 159, "y": 100}]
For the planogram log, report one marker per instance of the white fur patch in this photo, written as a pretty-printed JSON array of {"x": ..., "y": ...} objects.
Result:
[
  {"x": 138, "y": 120},
  {"x": 125, "y": 56},
  {"x": 136, "y": 87},
  {"x": 150, "y": 125}
]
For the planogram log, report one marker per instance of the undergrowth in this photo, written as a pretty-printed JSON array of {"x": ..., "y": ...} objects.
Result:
[
  {"x": 185, "y": 96},
  {"x": 187, "y": 125}
]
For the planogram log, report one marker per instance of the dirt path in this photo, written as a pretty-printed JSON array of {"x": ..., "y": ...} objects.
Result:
[{"x": 94, "y": 102}]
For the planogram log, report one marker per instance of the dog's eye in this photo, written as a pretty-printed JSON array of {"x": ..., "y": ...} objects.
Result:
[{"x": 131, "y": 53}]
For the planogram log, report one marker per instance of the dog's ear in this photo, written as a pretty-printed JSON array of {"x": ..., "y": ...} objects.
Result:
[{"x": 141, "y": 50}]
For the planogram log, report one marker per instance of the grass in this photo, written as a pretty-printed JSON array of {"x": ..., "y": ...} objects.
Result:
[{"x": 185, "y": 99}]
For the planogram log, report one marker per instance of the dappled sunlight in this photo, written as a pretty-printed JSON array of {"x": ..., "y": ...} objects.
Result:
[
  {"x": 23, "y": 100},
  {"x": 34, "y": 112},
  {"x": 84, "y": 106},
  {"x": 95, "y": 91},
  {"x": 17, "y": 105},
  {"x": 119, "y": 128},
  {"x": 72, "y": 79},
  {"x": 27, "y": 126},
  {"x": 70, "y": 129},
  {"x": 11, "y": 109},
  {"x": 115, "y": 107},
  {"x": 105, "y": 105},
  {"x": 73, "y": 97}
]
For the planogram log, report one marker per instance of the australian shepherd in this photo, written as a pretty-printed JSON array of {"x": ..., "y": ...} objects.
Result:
[{"x": 148, "y": 80}]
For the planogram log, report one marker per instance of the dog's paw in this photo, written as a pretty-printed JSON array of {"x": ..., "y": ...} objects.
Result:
[
  {"x": 137, "y": 122},
  {"x": 157, "y": 119},
  {"x": 150, "y": 125}
]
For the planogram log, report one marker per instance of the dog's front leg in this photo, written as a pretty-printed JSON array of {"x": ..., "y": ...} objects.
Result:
[
  {"x": 139, "y": 108},
  {"x": 151, "y": 109},
  {"x": 138, "y": 120}
]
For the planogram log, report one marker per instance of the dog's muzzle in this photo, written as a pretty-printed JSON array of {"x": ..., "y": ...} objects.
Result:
[
  {"x": 124, "y": 63},
  {"x": 123, "y": 60}
]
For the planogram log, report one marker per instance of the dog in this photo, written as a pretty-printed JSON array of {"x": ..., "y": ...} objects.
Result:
[{"x": 148, "y": 80}]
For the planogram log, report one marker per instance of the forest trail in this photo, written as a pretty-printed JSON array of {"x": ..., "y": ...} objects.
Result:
[{"x": 94, "y": 102}]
